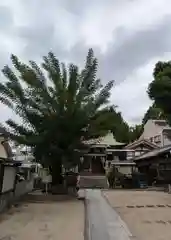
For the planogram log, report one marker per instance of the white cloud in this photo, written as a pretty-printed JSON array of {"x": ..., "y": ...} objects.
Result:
[
  {"x": 129, "y": 37},
  {"x": 101, "y": 22},
  {"x": 131, "y": 95}
]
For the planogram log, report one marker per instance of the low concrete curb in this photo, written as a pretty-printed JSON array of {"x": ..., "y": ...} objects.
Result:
[
  {"x": 87, "y": 234},
  {"x": 122, "y": 223},
  {"x": 101, "y": 220}
]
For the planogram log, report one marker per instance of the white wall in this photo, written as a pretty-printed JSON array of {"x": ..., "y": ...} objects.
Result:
[
  {"x": 3, "y": 153},
  {"x": 9, "y": 178},
  {"x": 125, "y": 169},
  {"x": 152, "y": 130},
  {"x": 166, "y": 140},
  {"x": 23, "y": 187}
]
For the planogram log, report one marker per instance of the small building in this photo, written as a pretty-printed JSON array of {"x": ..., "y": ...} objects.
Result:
[
  {"x": 23, "y": 154},
  {"x": 94, "y": 159},
  {"x": 119, "y": 155},
  {"x": 118, "y": 161},
  {"x": 157, "y": 132},
  {"x": 140, "y": 147},
  {"x": 8, "y": 171},
  {"x": 5, "y": 149},
  {"x": 156, "y": 164},
  {"x": 11, "y": 188},
  {"x": 7, "y": 165}
]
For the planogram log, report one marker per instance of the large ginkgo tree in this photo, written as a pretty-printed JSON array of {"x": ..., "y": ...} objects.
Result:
[{"x": 59, "y": 107}]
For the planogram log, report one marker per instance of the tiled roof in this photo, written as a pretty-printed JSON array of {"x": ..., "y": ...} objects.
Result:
[
  {"x": 141, "y": 141},
  {"x": 108, "y": 140},
  {"x": 154, "y": 153}
]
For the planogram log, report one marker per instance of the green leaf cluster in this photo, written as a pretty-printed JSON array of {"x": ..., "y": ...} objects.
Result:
[
  {"x": 59, "y": 106},
  {"x": 159, "y": 90}
]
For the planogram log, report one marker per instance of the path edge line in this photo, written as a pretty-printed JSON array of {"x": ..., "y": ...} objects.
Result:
[{"x": 124, "y": 225}]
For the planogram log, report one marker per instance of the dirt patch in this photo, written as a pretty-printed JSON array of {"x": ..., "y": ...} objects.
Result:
[
  {"x": 53, "y": 220},
  {"x": 147, "y": 214}
]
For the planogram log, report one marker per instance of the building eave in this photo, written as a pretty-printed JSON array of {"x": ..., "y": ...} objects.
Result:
[
  {"x": 153, "y": 153},
  {"x": 139, "y": 142}
]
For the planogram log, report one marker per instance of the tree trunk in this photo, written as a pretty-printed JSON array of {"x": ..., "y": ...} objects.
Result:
[
  {"x": 56, "y": 171},
  {"x": 57, "y": 179}
]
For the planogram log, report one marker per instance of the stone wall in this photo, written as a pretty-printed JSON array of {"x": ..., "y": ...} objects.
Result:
[
  {"x": 9, "y": 198},
  {"x": 93, "y": 182},
  {"x": 23, "y": 188},
  {"x": 6, "y": 200}
]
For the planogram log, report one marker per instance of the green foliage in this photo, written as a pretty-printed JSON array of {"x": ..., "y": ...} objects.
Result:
[
  {"x": 122, "y": 131},
  {"x": 119, "y": 127},
  {"x": 160, "y": 88},
  {"x": 135, "y": 132},
  {"x": 58, "y": 106},
  {"x": 153, "y": 113}
]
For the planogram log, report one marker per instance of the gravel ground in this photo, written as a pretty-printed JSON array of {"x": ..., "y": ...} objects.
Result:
[
  {"x": 45, "y": 221},
  {"x": 147, "y": 213}
]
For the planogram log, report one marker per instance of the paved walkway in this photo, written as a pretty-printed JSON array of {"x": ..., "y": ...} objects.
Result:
[
  {"x": 44, "y": 221},
  {"x": 103, "y": 223}
]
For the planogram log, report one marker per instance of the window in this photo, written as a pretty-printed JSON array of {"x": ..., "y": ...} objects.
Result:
[
  {"x": 151, "y": 139},
  {"x": 130, "y": 155}
]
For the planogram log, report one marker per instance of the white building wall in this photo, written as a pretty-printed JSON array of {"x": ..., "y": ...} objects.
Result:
[
  {"x": 154, "y": 133},
  {"x": 166, "y": 140},
  {"x": 151, "y": 129},
  {"x": 3, "y": 153},
  {"x": 9, "y": 179}
]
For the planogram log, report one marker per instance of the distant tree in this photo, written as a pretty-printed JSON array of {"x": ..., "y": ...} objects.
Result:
[
  {"x": 160, "y": 88},
  {"x": 135, "y": 132},
  {"x": 58, "y": 109},
  {"x": 119, "y": 127},
  {"x": 153, "y": 113}
]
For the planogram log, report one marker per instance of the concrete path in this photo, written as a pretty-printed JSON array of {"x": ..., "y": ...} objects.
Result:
[
  {"x": 44, "y": 221},
  {"x": 103, "y": 223}
]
